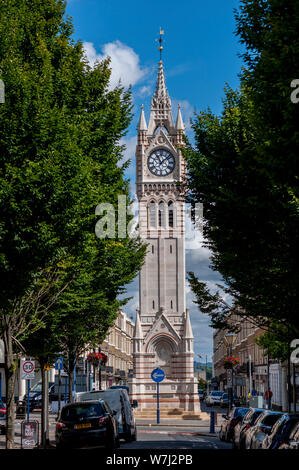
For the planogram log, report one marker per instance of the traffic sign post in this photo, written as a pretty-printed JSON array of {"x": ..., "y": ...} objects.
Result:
[
  {"x": 28, "y": 400},
  {"x": 59, "y": 367},
  {"x": 27, "y": 369},
  {"x": 157, "y": 376}
]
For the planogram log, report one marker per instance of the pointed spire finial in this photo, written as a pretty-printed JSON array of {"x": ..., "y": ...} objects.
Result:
[
  {"x": 161, "y": 40},
  {"x": 188, "y": 334},
  {"x": 142, "y": 126},
  {"x": 179, "y": 120},
  {"x": 138, "y": 330}
]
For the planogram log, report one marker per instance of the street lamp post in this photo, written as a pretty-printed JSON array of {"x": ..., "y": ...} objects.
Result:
[{"x": 229, "y": 339}]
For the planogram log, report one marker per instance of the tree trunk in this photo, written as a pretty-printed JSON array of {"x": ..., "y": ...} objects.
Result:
[
  {"x": 43, "y": 427},
  {"x": 71, "y": 366},
  {"x": 11, "y": 366}
]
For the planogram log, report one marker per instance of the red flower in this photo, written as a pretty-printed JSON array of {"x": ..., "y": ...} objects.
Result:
[{"x": 97, "y": 358}]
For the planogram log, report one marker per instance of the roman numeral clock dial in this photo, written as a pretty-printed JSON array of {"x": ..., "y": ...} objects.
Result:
[{"x": 161, "y": 162}]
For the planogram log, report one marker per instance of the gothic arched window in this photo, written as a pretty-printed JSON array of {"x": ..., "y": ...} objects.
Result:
[
  {"x": 161, "y": 214},
  {"x": 170, "y": 214},
  {"x": 152, "y": 214}
]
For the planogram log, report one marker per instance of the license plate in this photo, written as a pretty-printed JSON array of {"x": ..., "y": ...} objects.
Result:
[{"x": 83, "y": 426}]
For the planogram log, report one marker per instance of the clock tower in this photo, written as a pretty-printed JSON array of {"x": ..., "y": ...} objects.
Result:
[{"x": 163, "y": 334}]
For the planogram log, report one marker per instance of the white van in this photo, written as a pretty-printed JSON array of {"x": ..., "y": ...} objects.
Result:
[{"x": 118, "y": 400}]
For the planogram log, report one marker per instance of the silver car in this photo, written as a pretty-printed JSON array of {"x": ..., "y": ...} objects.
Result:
[{"x": 262, "y": 427}]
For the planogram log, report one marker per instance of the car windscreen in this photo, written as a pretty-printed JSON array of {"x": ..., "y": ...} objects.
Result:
[
  {"x": 270, "y": 419},
  {"x": 76, "y": 412},
  {"x": 255, "y": 416},
  {"x": 36, "y": 388},
  {"x": 216, "y": 394},
  {"x": 240, "y": 412}
]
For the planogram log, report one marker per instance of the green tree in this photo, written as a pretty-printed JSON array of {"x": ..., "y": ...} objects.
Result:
[
  {"x": 60, "y": 129},
  {"x": 242, "y": 169}
]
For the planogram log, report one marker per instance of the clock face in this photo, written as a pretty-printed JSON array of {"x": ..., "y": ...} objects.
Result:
[{"x": 161, "y": 162}]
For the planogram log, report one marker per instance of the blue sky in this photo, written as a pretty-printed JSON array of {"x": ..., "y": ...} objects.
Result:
[{"x": 200, "y": 55}]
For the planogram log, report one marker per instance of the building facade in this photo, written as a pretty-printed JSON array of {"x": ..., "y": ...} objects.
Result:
[
  {"x": 118, "y": 346},
  {"x": 257, "y": 371},
  {"x": 163, "y": 334}
]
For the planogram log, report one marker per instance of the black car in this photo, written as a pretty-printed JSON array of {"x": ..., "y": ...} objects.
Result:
[
  {"x": 293, "y": 440},
  {"x": 226, "y": 432},
  {"x": 2, "y": 422},
  {"x": 89, "y": 422},
  {"x": 35, "y": 396},
  {"x": 280, "y": 431},
  {"x": 242, "y": 427}
]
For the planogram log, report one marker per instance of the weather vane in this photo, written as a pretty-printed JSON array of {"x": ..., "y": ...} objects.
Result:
[{"x": 160, "y": 40}]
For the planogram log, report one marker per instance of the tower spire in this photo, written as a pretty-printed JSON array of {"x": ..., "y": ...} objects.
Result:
[{"x": 161, "y": 104}]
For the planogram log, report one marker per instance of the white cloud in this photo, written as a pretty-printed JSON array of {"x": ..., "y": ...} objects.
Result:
[
  {"x": 129, "y": 153},
  {"x": 124, "y": 62}
]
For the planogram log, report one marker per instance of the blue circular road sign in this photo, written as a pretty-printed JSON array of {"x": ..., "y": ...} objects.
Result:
[{"x": 158, "y": 375}]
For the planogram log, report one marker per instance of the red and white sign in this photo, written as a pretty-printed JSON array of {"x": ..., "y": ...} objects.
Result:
[{"x": 27, "y": 369}]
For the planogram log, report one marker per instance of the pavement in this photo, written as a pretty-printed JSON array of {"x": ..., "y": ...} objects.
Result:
[{"x": 202, "y": 427}]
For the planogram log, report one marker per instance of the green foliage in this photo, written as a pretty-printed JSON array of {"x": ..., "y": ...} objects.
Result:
[
  {"x": 242, "y": 170},
  {"x": 202, "y": 384},
  {"x": 60, "y": 153},
  {"x": 275, "y": 342}
]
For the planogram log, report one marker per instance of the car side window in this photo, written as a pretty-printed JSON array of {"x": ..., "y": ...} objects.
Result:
[{"x": 294, "y": 436}]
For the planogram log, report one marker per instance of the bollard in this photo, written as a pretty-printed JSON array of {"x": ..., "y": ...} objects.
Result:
[{"x": 212, "y": 422}]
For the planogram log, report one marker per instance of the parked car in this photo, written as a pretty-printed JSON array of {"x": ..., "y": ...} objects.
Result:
[
  {"x": 242, "y": 427},
  {"x": 2, "y": 422},
  {"x": 262, "y": 427},
  {"x": 235, "y": 415},
  {"x": 224, "y": 400},
  {"x": 90, "y": 422},
  {"x": 293, "y": 440},
  {"x": 2, "y": 407},
  {"x": 35, "y": 395},
  {"x": 118, "y": 400},
  {"x": 214, "y": 398},
  {"x": 201, "y": 394},
  {"x": 280, "y": 431}
]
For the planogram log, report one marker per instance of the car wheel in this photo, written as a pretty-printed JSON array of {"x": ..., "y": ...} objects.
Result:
[
  {"x": 129, "y": 437},
  {"x": 60, "y": 445},
  {"x": 134, "y": 438},
  {"x": 111, "y": 443}
]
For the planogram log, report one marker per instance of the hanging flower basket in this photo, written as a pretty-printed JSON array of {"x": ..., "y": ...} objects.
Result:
[
  {"x": 97, "y": 359},
  {"x": 231, "y": 362}
]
